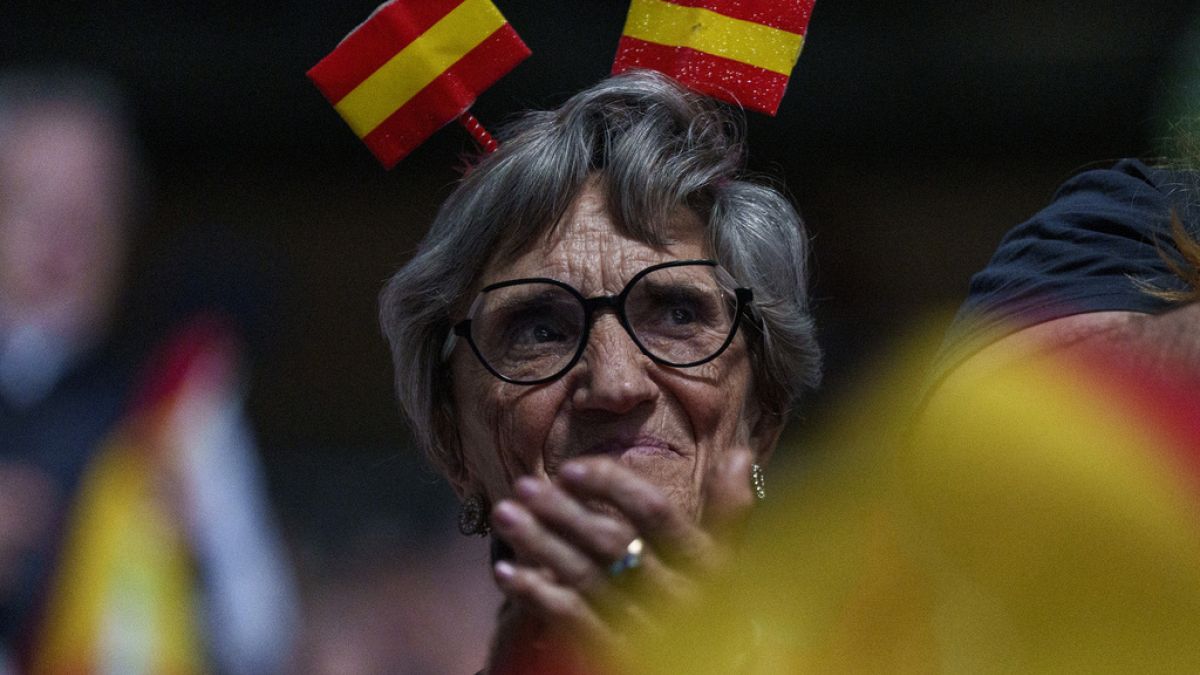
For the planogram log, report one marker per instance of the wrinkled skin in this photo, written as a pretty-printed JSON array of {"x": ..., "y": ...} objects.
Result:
[{"x": 618, "y": 447}]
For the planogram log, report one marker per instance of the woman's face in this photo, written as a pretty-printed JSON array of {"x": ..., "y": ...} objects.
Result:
[{"x": 668, "y": 424}]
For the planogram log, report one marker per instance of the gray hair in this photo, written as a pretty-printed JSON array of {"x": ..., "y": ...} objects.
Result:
[{"x": 654, "y": 147}]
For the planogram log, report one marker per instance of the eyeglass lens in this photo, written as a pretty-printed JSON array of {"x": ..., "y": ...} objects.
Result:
[{"x": 531, "y": 330}]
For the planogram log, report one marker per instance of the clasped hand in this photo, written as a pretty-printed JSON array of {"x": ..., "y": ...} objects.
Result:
[{"x": 562, "y": 572}]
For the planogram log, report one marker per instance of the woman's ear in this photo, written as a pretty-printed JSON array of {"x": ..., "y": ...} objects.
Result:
[
  {"x": 461, "y": 477},
  {"x": 446, "y": 435},
  {"x": 463, "y": 483},
  {"x": 764, "y": 435}
]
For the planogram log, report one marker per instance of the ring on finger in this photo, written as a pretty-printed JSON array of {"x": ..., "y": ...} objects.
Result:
[{"x": 631, "y": 560}]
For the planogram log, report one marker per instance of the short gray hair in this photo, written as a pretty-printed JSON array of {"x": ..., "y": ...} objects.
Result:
[{"x": 654, "y": 147}]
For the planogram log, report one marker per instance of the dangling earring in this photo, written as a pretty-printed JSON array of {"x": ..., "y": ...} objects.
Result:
[
  {"x": 758, "y": 481},
  {"x": 472, "y": 516}
]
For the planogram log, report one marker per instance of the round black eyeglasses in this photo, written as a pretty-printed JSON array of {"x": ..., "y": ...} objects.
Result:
[{"x": 529, "y": 331}]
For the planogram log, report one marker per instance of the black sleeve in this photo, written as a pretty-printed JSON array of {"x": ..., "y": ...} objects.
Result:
[{"x": 1104, "y": 231}]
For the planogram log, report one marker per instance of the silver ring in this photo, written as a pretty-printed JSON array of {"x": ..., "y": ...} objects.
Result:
[{"x": 632, "y": 558}]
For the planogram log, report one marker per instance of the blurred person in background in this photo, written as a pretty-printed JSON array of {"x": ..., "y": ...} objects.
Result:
[
  {"x": 1041, "y": 511},
  {"x": 134, "y": 535},
  {"x": 66, "y": 188},
  {"x": 1111, "y": 260}
]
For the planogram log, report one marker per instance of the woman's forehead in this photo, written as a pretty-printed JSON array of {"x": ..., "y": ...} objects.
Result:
[{"x": 588, "y": 251}]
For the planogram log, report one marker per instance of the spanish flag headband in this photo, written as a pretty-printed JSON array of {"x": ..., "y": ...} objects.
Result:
[{"x": 416, "y": 65}]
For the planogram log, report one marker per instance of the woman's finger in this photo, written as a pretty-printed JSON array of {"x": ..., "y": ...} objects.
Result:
[
  {"x": 534, "y": 543},
  {"x": 667, "y": 529},
  {"x": 728, "y": 495},
  {"x": 559, "y": 606},
  {"x": 603, "y": 537},
  {"x": 605, "y": 540},
  {"x": 563, "y": 609}
]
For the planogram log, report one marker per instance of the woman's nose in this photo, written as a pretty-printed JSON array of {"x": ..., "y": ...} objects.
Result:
[{"x": 616, "y": 374}]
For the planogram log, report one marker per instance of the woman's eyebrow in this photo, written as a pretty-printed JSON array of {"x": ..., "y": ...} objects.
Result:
[
  {"x": 690, "y": 286},
  {"x": 521, "y": 300}
]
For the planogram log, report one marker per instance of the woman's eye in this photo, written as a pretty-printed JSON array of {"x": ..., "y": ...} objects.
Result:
[
  {"x": 681, "y": 315},
  {"x": 545, "y": 333},
  {"x": 538, "y": 329}
]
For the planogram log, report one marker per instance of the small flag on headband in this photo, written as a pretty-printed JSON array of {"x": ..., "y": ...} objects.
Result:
[
  {"x": 740, "y": 51},
  {"x": 413, "y": 66}
]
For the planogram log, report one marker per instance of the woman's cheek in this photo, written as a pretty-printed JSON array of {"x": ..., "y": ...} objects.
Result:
[
  {"x": 714, "y": 411},
  {"x": 523, "y": 422},
  {"x": 717, "y": 411},
  {"x": 728, "y": 403}
]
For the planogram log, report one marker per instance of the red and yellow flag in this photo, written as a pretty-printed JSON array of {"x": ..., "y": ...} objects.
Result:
[
  {"x": 413, "y": 66},
  {"x": 740, "y": 51},
  {"x": 1040, "y": 517},
  {"x": 126, "y": 595}
]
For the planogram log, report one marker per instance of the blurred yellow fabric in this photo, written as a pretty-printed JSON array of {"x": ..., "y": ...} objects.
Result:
[
  {"x": 1042, "y": 518},
  {"x": 125, "y": 600}
]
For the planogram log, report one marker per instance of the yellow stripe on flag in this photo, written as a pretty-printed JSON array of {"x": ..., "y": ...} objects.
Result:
[
  {"x": 124, "y": 593},
  {"x": 706, "y": 31},
  {"x": 418, "y": 64}
]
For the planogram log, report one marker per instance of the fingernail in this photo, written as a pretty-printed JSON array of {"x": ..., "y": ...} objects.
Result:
[
  {"x": 504, "y": 513},
  {"x": 573, "y": 471},
  {"x": 528, "y": 487},
  {"x": 504, "y": 570},
  {"x": 739, "y": 461}
]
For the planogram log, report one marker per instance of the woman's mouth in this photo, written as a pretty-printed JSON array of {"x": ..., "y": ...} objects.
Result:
[{"x": 633, "y": 446}]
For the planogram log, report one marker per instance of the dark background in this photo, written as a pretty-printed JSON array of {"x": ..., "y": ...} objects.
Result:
[{"x": 912, "y": 135}]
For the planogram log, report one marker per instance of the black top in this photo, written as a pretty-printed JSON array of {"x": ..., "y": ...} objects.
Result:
[
  {"x": 58, "y": 436},
  {"x": 1104, "y": 230}
]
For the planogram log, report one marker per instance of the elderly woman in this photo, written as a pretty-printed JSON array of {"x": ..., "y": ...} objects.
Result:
[{"x": 604, "y": 329}]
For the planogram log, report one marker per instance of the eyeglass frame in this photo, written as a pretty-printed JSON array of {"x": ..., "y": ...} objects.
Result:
[{"x": 744, "y": 297}]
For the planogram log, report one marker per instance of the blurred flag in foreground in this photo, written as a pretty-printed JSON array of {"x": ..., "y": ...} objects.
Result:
[
  {"x": 1039, "y": 518},
  {"x": 740, "y": 51},
  {"x": 413, "y": 66},
  {"x": 165, "y": 567}
]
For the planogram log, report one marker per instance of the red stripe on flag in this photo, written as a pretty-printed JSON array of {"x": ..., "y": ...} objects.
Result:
[
  {"x": 728, "y": 80},
  {"x": 1164, "y": 400},
  {"x": 167, "y": 370},
  {"x": 789, "y": 15},
  {"x": 446, "y": 97},
  {"x": 374, "y": 43}
]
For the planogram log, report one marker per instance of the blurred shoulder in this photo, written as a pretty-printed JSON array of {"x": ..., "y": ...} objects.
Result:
[{"x": 1081, "y": 263}]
